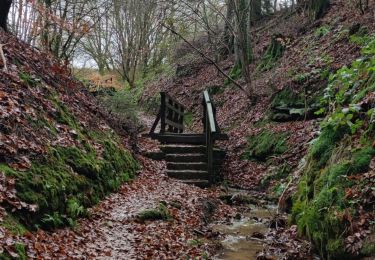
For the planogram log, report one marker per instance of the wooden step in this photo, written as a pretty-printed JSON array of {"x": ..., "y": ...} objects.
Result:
[
  {"x": 187, "y": 174},
  {"x": 198, "y": 183},
  {"x": 172, "y": 138},
  {"x": 183, "y": 149},
  {"x": 200, "y": 166},
  {"x": 197, "y": 157},
  {"x": 157, "y": 156},
  {"x": 181, "y": 138}
]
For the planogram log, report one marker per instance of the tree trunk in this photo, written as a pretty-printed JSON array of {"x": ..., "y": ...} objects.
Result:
[{"x": 4, "y": 10}]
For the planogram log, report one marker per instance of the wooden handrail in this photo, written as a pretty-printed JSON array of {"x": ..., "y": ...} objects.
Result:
[{"x": 210, "y": 128}]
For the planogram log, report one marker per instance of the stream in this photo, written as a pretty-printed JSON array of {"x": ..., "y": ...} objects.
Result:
[{"x": 243, "y": 238}]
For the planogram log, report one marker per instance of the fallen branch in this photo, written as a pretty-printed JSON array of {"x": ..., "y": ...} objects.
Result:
[
  {"x": 210, "y": 60},
  {"x": 5, "y": 68}
]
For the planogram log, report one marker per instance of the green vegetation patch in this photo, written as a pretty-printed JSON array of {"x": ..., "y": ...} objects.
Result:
[
  {"x": 122, "y": 102},
  {"x": 12, "y": 224},
  {"x": 288, "y": 105},
  {"x": 322, "y": 31},
  {"x": 18, "y": 253},
  {"x": 265, "y": 144},
  {"x": 234, "y": 73}
]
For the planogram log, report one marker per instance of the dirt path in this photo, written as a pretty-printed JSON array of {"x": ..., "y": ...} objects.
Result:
[{"x": 113, "y": 232}]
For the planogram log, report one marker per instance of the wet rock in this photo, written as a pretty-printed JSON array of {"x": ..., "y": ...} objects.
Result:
[
  {"x": 208, "y": 206},
  {"x": 241, "y": 199},
  {"x": 258, "y": 235},
  {"x": 278, "y": 222}
]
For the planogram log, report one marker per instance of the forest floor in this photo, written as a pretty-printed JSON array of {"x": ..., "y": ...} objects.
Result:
[{"x": 113, "y": 229}]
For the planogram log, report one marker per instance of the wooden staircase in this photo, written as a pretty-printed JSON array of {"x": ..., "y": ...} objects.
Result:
[{"x": 190, "y": 158}]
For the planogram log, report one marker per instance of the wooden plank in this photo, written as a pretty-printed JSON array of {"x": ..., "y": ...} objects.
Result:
[
  {"x": 174, "y": 109},
  {"x": 162, "y": 112},
  {"x": 152, "y": 131},
  {"x": 181, "y": 139},
  {"x": 171, "y": 123},
  {"x": 172, "y": 99}
]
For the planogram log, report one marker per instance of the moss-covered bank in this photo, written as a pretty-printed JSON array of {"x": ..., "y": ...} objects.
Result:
[
  {"x": 324, "y": 208},
  {"x": 69, "y": 178}
]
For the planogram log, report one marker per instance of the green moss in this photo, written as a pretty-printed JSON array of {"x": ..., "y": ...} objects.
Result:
[
  {"x": 188, "y": 119},
  {"x": 322, "y": 149},
  {"x": 322, "y": 31},
  {"x": 159, "y": 213},
  {"x": 21, "y": 251},
  {"x": 43, "y": 123},
  {"x": 235, "y": 73},
  {"x": 12, "y": 224},
  {"x": 64, "y": 116},
  {"x": 69, "y": 179},
  {"x": 320, "y": 198},
  {"x": 361, "y": 160},
  {"x": 28, "y": 79},
  {"x": 265, "y": 144},
  {"x": 273, "y": 53}
]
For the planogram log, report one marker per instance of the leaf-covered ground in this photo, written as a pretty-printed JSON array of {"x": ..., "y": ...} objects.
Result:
[{"x": 114, "y": 231}]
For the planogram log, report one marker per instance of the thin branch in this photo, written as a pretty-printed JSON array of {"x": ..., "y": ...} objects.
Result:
[{"x": 210, "y": 60}]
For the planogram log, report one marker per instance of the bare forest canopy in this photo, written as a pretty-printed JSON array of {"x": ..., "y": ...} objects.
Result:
[{"x": 129, "y": 37}]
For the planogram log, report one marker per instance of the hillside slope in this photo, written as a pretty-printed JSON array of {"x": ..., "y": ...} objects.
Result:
[
  {"x": 303, "y": 100},
  {"x": 58, "y": 153}
]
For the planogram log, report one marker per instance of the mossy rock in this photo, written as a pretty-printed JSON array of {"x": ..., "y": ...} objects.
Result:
[
  {"x": 288, "y": 105},
  {"x": 265, "y": 144},
  {"x": 159, "y": 213},
  {"x": 274, "y": 52}
]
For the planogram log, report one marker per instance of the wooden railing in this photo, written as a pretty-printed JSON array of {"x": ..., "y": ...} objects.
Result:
[
  {"x": 211, "y": 129},
  {"x": 171, "y": 116}
]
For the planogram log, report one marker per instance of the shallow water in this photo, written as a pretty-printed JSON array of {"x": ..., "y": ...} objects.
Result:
[{"x": 238, "y": 243}]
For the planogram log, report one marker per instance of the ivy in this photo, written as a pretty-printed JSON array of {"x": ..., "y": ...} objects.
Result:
[{"x": 347, "y": 87}]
